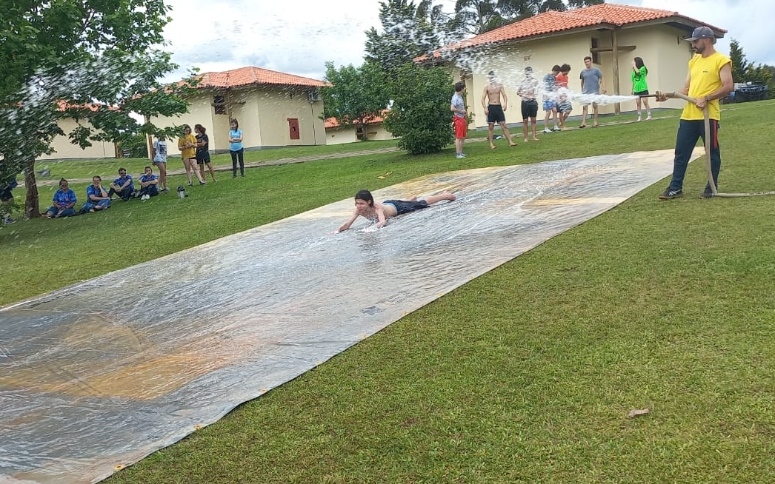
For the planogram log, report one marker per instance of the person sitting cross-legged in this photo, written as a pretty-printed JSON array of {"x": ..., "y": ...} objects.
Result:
[
  {"x": 149, "y": 184},
  {"x": 123, "y": 186},
  {"x": 96, "y": 197},
  {"x": 64, "y": 201}
]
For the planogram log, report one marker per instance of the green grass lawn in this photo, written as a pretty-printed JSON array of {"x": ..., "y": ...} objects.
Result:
[{"x": 525, "y": 374}]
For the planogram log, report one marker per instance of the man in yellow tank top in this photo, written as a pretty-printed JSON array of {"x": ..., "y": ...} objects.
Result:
[{"x": 709, "y": 79}]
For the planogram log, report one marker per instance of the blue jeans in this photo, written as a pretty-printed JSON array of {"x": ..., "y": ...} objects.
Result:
[
  {"x": 150, "y": 190},
  {"x": 102, "y": 204},
  {"x": 236, "y": 156},
  {"x": 686, "y": 139},
  {"x": 54, "y": 211}
]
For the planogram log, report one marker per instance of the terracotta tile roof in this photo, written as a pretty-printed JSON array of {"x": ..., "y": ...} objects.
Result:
[
  {"x": 334, "y": 123},
  {"x": 254, "y": 76},
  {"x": 551, "y": 22},
  {"x": 64, "y": 106}
]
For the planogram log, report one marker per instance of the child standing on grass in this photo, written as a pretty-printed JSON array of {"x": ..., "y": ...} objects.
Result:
[
  {"x": 639, "y": 86},
  {"x": 160, "y": 160},
  {"x": 203, "y": 151},
  {"x": 187, "y": 147},
  {"x": 236, "y": 149}
]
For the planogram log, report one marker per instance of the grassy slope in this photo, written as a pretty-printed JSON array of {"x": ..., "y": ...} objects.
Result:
[{"x": 524, "y": 374}]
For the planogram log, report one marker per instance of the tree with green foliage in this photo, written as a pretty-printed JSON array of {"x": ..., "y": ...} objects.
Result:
[
  {"x": 409, "y": 30},
  {"x": 94, "y": 62},
  {"x": 739, "y": 63},
  {"x": 420, "y": 114},
  {"x": 356, "y": 95},
  {"x": 744, "y": 71}
]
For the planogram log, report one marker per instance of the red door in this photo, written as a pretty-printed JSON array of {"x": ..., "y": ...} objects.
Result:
[{"x": 293, "y": 126}]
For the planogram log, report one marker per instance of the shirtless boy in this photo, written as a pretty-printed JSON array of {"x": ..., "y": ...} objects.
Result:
[
  {"x": 366, "y": 207},
  {"x": 527, "y": 91},
  {"x": 494, "y": 111}
]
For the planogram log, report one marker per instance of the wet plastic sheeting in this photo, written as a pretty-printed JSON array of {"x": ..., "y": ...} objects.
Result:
[{"x": 97, "y": 375}]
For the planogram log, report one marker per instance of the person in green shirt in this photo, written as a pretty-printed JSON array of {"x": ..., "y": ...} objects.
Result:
[{"x": 640, "y": 87}]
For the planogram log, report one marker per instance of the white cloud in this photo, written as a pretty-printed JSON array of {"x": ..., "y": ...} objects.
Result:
[{"x": 299, "y": 36}]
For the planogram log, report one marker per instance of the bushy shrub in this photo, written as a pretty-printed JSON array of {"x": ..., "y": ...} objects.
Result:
[{"x": 420, "y": 114}]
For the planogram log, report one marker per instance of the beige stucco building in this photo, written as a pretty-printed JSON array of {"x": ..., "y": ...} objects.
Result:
[
  {"x": 612, "y": 34},
  {"x": 273, "y": 109},
  {"x": 65, "y": 149},
  {"x": 337, "y": 133}
]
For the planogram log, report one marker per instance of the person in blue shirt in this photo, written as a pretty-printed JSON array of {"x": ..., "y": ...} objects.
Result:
[
  {"x": 149, "y": 184},
  {"x": 236, "y": 149},
  {"x": 64, "y": 201},
  {"x": 123, "y": 186},
  {"x": 97, "y": 197}
]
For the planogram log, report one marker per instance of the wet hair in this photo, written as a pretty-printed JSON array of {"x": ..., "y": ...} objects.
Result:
[
  {"x": 200, "y": 128},
  {"x": 565, "y": 68},
  {"x": 491, "y": 73},
  {"x": 588, "y": 57},
  {"x": 366, "y": 196},
  {"x": 234, "y": 121},
  {"x": 555, "y": 68},
  {"x": 639, "y": 62},
  {"x": 459, "y": 86},
  {"x": 528, "y": 69}
]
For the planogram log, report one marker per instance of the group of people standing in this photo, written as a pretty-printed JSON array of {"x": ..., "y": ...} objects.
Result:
[
  {"x": 556, "y": 96},
  {"x": 195, "y": 152}
]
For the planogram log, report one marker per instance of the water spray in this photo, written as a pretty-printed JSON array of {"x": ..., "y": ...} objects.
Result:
[{"x": 663, "y": 96}]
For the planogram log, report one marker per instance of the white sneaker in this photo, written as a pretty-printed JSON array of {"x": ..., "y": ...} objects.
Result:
[
  {"x": 460, "y": 155},
  {"x": 648, "y": 117},
  {"x": 556, "y": 128},
  {"x": 547, "y": 130},
  {"x": 639, "y": 119}
]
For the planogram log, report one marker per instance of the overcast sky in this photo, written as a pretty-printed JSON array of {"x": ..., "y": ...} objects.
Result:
[{"x": 299, "y": 36}]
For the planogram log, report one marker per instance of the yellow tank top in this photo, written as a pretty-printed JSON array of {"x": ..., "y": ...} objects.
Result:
[{"x": 705, "y": 73}]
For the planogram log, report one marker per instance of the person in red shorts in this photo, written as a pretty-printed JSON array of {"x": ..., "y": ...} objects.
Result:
[{"x": 458, "y": 108}]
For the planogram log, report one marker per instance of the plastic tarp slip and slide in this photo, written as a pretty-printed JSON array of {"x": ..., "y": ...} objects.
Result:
[{"x": 98, "y": 375}]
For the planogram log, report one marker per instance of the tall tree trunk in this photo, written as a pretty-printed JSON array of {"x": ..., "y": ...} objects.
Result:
[{"x": 32, "y": 201}]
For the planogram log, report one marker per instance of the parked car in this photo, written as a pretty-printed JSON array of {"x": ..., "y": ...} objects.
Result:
[{"x": 748, "y": 91}]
